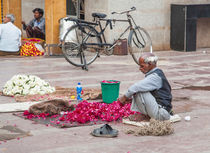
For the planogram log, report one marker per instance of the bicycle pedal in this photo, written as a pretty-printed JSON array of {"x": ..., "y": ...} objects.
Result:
[
  {"x": 108, "y": 52},
  {"x": 60, "y": 45}
]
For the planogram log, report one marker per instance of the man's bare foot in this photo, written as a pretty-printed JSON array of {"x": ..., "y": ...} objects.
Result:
[
  {"x": 138, "y": 117},
  {"x": 128, "y": 101},
  {"x": 124, "y": 100}
]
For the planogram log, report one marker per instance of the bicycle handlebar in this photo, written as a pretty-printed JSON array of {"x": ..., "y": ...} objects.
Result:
[{"x": 132, "y": 9}]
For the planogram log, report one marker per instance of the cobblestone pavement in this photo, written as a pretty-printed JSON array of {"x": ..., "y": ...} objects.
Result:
[{"x": 187, "y": 72}]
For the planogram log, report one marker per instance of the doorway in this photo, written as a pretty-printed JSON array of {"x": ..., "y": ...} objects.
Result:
[{"x": 26, "y": 10}]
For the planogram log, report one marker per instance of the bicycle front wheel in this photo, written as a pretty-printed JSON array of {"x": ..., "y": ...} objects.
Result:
[
  {"x": 80, "y": 45},
  {"x": 139, "y": 41}
]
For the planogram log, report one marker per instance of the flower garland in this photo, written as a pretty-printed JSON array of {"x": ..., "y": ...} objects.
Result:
[
  {"x": 26, "y": 85},
  {"x": 85, "y": 112},
  {"x": 30, "y": 49},
  {"x": 36, "y": 40}
]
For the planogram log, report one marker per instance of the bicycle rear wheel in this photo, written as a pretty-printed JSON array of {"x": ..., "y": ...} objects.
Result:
[
  {"x": 80, "y": 45},
  {"x": 139, "y": 41}
]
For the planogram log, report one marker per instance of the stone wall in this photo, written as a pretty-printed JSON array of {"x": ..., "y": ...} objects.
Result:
[{"x": 153, "y": 15}]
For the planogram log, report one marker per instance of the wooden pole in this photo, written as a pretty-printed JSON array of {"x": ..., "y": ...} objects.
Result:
[
  {"x": 1, "y": 9},
  {"x": 12, "y": 7},
  {"x": 54, "y": 10}
]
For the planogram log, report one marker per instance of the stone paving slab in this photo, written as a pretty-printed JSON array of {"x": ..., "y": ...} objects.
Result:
[{"x": 184, "y": 71}]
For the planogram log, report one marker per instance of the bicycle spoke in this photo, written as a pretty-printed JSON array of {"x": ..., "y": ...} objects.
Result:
[{"x": 79, "y": 41}]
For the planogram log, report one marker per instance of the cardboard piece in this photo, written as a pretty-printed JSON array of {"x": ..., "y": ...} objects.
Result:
[
  {"x": 16, "y": 107},
  {"x": 174, "y": 118}
]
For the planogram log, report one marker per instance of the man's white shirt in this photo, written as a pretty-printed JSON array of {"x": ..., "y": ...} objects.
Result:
[{"x": 10, "y": 37}]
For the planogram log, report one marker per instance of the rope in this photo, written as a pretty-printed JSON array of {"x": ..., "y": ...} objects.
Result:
[{"x": 155, "y": 128}]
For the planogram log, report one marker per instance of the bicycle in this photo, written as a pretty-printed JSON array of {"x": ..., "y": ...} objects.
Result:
[{"x": 82, "y": 42}]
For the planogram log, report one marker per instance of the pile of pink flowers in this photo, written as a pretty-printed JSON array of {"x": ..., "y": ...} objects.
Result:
[
  {"x": 110, "y": 81},
  {"x": 86, "y": 112}
]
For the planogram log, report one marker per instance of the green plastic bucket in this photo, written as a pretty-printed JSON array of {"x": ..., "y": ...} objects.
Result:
[{"x": 110, "y": 91}]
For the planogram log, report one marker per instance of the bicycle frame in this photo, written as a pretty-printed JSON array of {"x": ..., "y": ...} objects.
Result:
[
  {"x": 88, "y": 29},
  {"x": 130, "y": 20},
  {"x": 97, "y": 23},
  {"x": 101, "y": 34}
]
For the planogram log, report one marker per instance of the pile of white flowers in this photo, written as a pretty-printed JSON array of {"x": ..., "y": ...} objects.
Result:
[{"x": 26, "y": 85}]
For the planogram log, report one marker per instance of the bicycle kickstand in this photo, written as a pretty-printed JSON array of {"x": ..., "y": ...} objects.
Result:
[{"x": 85, "y": 67}]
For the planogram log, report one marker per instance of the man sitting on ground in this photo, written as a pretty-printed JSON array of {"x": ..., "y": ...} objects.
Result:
[
  {"x": 151, "y": 96},
  {"x": 10, "y": 36},
  {"x": 36, "y": 27}
]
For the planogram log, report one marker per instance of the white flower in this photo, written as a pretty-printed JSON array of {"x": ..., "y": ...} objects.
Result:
[
  {"x": 25, "y": 92},
  {"x": 26, "y": 85}
]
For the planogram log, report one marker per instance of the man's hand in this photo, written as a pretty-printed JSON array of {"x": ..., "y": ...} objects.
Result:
[
  {"x": 23, "y": 22},
  {"x": 24, "y": 25},
  {"x": 124, "y": 100}
]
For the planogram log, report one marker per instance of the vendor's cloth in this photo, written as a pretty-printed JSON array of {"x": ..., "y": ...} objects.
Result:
[
  {"x": 52, "y": 107},
  {"x": 63, "y": 93}
]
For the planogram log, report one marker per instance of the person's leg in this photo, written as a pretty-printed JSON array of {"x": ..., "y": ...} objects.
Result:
[
  {"x": 4, "y": 53},
  {"x": 38, "y": 33},
  {"x": 29, "y": 31},
  {"x": 147, "y": 105}
]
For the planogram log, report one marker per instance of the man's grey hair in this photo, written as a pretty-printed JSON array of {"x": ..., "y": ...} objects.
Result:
[
  {"x": 150, "y": 58},
  {"x": 11, "y": 16}
]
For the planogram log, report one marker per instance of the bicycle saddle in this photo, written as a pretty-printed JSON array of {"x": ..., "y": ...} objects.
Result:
[{"x": 98, "y": 15}]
